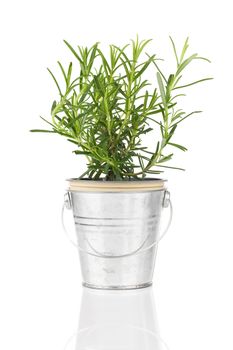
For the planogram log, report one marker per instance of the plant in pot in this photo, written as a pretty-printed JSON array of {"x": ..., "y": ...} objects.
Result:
[{"x": 107, "y": 111}]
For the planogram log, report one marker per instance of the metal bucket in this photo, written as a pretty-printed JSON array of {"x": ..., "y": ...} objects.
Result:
[{"x": 117, "y": 233}]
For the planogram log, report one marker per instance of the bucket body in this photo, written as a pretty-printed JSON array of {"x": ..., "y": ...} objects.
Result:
[{"x": 117, "y": 233}]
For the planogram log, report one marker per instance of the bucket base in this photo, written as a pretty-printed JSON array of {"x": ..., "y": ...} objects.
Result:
[{"x": 139, "y": 286}]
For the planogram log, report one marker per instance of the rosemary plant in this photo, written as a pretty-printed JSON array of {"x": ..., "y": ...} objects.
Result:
[{"x": 110, "y": 105}]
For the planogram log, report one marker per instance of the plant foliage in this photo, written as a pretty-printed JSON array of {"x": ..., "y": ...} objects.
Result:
[{"x": 108, "y": 108}]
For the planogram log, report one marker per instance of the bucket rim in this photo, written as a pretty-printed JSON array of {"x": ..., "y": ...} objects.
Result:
[{"x": 89, "y": 185}]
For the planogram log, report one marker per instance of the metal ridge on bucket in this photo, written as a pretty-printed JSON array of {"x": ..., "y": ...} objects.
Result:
[{"x": 115, "y": 186}]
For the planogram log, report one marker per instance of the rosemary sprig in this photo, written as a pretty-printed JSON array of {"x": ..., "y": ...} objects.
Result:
[{"x": 108, "y": 108}]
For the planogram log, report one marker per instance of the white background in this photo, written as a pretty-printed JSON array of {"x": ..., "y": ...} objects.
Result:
[{"x": 39, "y": 270}]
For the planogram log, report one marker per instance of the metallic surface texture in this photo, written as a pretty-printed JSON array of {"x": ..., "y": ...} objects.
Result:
[{"x": 117, "y": 235}]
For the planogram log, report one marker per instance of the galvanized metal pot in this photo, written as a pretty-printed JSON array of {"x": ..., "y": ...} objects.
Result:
[{"x": 117, "y": 229}]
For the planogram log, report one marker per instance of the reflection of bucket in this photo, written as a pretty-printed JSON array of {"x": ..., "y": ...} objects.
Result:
[
  {"x": 117, "y": 230},
  {"x": 117, "y": 337},
  {"x": 117, "y": 320},
  {"x": 126, "y": 308}
]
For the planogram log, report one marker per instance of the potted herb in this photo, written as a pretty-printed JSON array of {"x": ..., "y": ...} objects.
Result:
[{"x": 106, "y": 111}]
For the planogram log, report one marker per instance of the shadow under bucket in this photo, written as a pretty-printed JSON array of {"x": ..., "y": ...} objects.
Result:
[{"x": 117, "y": 228}]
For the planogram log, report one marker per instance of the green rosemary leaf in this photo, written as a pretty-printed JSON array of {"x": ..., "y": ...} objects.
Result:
[
  {"x": 69, "y": 74},
  {"x": 53, "y": 106},
  {"x": 158, "y": 69},
  {"x": 161, "y": 89},
  {"x": 187, "y": 116},
  {"x": 174, "y": 49},
  {"x": 184, "y": 64},
  {"x": 81, "y": 152},
  {"x": 63, "y": 71},
  {"x": 193, "y": 83},
  {"x": 182, "y": 148},
  {"x": 41, "y": 130},
  {"x": 145, "y": 66},
  {"x": 203, "y": 58},
  {"x": 55, "y": 80},
  {"x": 165, "y": 158},
  {"x": 140, "y": 158},
  {"x": 155, "y": 172},
  {"x": 184, "y": 50},
  {"x": 45, "y": 120},
  {"x": 73, "y": 51},
  {"x": 169, "y": 167}
]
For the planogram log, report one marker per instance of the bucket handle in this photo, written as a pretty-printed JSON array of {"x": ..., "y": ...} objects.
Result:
[{"x": 68, "y": 205}]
